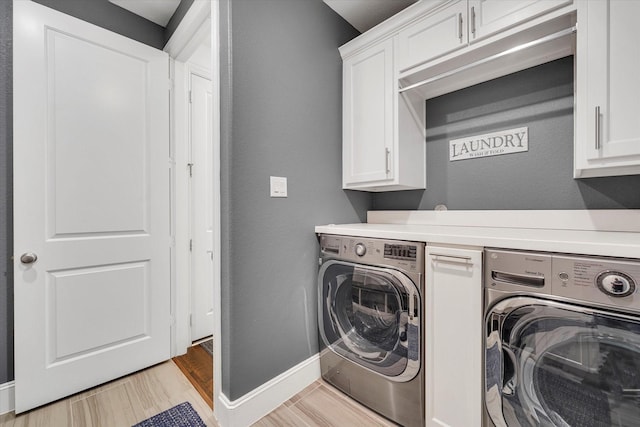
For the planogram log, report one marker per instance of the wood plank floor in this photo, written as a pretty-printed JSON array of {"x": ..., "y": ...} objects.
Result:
[
  {"x": 120, "y": 403},
  {"x": 129, "y": 400},
  {"x": 197, "y": 366},
  {"x": 321, "y": 405}
]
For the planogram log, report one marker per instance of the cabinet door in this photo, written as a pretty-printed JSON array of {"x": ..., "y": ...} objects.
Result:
[
  {"x": 607, "y": 127},
  {"x": 368, "y": 129},
  {"x": 436, "y": 35},
  {"x": 490, "y": 16},
  {"x": 453, "y": 341}
]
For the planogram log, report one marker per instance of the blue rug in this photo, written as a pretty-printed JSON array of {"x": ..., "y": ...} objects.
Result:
[{"x": 182, "y": 415}]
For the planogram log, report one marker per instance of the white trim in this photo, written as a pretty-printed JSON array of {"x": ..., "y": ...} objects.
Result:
[
  {"x": 180, "y": 212},
  {"x": 7, "y": 397},
  {"x": 190, "y": 32},
  {"x": 254, "y": 405},
  {"x": 218, "y": 412},
  {"x": 189, "y": 35},
  {"x": 586, "y": 220}
]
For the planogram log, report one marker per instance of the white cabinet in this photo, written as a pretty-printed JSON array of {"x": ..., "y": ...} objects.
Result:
[
  {"x": 463, "y": 22},
  {"x": 428, "y": 49},
  {"x": 453, "y": 337},
  {"x": 383, "y": 147},
  {"x": 435, "y": 35},
  {"x": 607, "y": 134},
  {"x": 368, "y": 113},
  {"x": 488, "y": 17}
]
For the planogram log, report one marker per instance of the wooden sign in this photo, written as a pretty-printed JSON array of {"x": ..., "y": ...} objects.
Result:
[{"x": 490, "y": 144}]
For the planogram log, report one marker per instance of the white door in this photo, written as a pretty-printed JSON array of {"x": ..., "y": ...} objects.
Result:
[
  {"x": 201, "y": 208},
  {"x": 91, "y": 200}
]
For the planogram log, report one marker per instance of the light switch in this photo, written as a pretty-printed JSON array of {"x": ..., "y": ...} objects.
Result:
[{"x": 278, "y": 186}]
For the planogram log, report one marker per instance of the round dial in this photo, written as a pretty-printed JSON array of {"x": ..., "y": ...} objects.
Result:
[
  {"x": 361, "y": 249},
  {"x": 615, "y": 283}
]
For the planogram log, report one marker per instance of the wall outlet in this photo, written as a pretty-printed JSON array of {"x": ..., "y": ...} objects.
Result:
[{"x": 278, "y": 186}]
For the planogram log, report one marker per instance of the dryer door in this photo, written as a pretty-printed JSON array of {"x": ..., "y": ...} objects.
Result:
[
  {"x": 371, "y": 316},
  {"x": 555, "y": 364}
]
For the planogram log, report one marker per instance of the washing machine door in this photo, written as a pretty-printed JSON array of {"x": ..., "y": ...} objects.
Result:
[
  {"x": 371, "y": 316},
  {"x": 556, "y": 364}
]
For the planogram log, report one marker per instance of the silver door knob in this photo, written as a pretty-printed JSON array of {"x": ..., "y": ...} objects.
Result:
[{"x": 28, "y": 258}]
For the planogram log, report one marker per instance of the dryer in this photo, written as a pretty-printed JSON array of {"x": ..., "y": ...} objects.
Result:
[
  {"x": 562, "y": 340},
  {"x": 370, "y": 313}
]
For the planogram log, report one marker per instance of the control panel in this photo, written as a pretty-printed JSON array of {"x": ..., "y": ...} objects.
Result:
[
  {"x": 615, "y": 283},
  {"x": 405, "y": 255},
  {"x": 600, "y": 280},
  {"x": 394, "y": 251},
  {"x": 611, "y": 282}
]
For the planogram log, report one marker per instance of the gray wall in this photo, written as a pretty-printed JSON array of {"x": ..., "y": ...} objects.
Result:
[
  {"x": 540, "y": 98},
  {"x": 101, "y": 13},
  {"x": 281, "y": 108},
  {"x": 6, "y": 173}
]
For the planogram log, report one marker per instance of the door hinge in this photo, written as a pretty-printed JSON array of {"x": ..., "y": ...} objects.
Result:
[
  {"x": 190, "y": 166},
  {"x": 191, "y": 320},
  {"x": 190, "y": 101},
  {"x": 190, "y": 245}
]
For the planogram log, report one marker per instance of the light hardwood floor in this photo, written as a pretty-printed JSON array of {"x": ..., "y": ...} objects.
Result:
[
  {"x": 322, "y": 405},
  {"x": 131, "y": 399},
  {"x": 120, "y": 403}
]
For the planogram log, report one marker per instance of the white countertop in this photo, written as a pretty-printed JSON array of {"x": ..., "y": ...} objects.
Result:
[{"x": 587, "y": 242}]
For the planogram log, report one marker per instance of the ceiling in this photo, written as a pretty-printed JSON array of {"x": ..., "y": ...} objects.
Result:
[
  {"x": 362, "y": 14},
  {"x": 158, "y": 11},
  {"x": 365, "y": 14}
]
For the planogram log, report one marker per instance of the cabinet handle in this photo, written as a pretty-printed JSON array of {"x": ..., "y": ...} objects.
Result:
[
  {"x": 387, "y": 152},
  {"x": 453, "y": 258},
  {"x": 460, "y": 26},
  {"x": 473, "y": 20},
  {"x": 598, "y": 127}
]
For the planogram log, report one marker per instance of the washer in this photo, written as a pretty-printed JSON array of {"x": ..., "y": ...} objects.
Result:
[
  {"x": 370, "y": 323},
  {"x": 562, "y": 340}
]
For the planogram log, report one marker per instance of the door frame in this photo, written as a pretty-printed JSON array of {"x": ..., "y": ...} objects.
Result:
[
  {"x": 200, "y": 19},
  {"x": 193, "y": 204}
]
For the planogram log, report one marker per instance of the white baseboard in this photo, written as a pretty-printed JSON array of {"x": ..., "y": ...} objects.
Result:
[
  {"x": 7, "y": 397},
  {"x": 243, "y": 411},
  {"x": 254, "y": 405}
]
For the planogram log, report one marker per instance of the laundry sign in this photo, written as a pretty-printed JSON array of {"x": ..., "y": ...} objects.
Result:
[{"x": 490, "y": 144}]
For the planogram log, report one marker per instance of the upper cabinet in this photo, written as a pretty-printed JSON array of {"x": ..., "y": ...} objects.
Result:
[
  {"x": 383, "y": 147},
  {"x": 433, "y": 36},
  {"x": 368, "y": 114},
  {"x": 431, "y": 48},
  {"x": 607, "y": 134},
  {"x": 460, "y": 23},
  {"x": 487, "y": 17}
]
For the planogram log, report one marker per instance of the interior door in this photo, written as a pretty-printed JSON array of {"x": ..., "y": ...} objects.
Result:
[
  {"x": 91, "y": 202},
  {"x": 201, "y": 208}
]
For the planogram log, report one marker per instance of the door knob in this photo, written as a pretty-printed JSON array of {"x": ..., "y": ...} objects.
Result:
[{"x": 28, "y": 258}]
